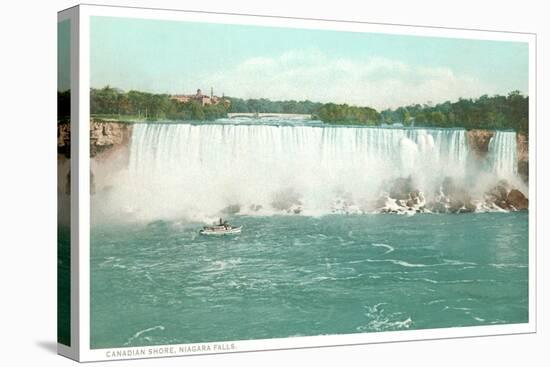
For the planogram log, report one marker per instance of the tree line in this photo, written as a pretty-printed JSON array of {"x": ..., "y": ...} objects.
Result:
[
  {"x": 486, "y": 112},
  {"x": 114, "y": 102},
  {"x": 264, "y": 105},
  {"x": 143, "y": 105},
  {"x": 345, "y": 114}
]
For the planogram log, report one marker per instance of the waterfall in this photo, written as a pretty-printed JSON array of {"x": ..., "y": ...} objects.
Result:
[
  {"x": 188, "y": 168},
  {"x": 222, "y": 150},
  {"x": 503, "y": 154}
]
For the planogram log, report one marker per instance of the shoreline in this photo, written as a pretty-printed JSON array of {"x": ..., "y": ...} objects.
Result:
[{"x": 306, "y": 122}]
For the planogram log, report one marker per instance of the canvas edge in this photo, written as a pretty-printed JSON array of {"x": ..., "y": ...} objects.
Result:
[
  {"x": 72, "y": 351},
  {"x": 80, "y": 266}
]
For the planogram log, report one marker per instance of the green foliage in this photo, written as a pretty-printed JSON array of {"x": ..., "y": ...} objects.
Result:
[
  {"x": 496, "y": 112},
  {"x": 264, "y": 105},
  {"x": 345, "y": 114},
  {"x": 141, "y": 105}
]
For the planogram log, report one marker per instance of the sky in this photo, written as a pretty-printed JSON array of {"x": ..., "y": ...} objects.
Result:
[
  {"x": 366, "y": 69},
  {"x": 63, "y": 55}
]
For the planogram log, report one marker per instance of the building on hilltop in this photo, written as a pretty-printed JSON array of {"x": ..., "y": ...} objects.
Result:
[{"x": 203, "y": 99}]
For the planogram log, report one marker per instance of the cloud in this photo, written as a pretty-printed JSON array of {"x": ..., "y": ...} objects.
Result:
[{"x": 314, "y": 75}]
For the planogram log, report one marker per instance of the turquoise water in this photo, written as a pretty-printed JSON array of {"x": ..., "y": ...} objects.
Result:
[
  {"x": 63, "y": 285},
  {"x": 163, "y": 283}
]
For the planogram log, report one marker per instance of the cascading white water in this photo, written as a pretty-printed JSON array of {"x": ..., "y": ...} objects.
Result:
[
  {"x": 177, "y": 169},
  {"x": 197, "y": 171},
  {"x": 503, "y": 154}
]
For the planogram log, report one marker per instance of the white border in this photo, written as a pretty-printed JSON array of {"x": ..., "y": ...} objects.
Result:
[{"x": 87, "y": 354}]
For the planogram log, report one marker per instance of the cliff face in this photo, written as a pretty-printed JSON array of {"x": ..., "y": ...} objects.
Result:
[
  {"x": 64, "y": 139},
  {"x": 109, "y": 151},
  {"x": 105, "y": 136},
  {"x": 523, "y": 156},
  {"x": 478, "y": 141}
]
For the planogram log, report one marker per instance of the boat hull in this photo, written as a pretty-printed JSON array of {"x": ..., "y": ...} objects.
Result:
[{"x": 207, "y": 232}]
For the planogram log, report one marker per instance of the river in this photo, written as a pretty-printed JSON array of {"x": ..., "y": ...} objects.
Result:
[{"x": 304, "y": 264}]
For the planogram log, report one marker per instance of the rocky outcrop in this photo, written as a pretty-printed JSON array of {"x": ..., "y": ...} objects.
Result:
[
  {"x": 453, "y": 198},
  {"x": 402, "y": 197},
  {"x": 104, "y": 135},
  {"x": 516, "y": 199},
  {"x": 108, "y": 135},
  {"x": 506, "y": 197},
  {"x": 522, "y": 141},
  {"x": 523, "y": 146},
  {"x": 401, "y": 188},
  {"x": 478, "y": 141},
  {"x": 109, "y": 150},
  {"x": 64, "y": 139}
]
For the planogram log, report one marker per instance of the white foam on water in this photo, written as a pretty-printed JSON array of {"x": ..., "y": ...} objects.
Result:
[
  {"x": 400, "y": 262},
  {"x": 501, "y": 266},
  {"x": 220, "y": 265},
  {"x": 109, "y": 260},
  {"x": 387, "y": 247},
  {"x": 405, "y": 324},
  {"x": 198, "y": 172},
  {"x": 458, "y": 262},
  {"x": 148, "y": 276},
  {"x": 141, "y": 332},
  {"x": 380, "y": 321},
  {"x": 427, "y": 280}
]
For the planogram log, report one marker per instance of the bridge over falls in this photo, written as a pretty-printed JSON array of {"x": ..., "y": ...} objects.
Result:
[{"x": 270, "y": 115}]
